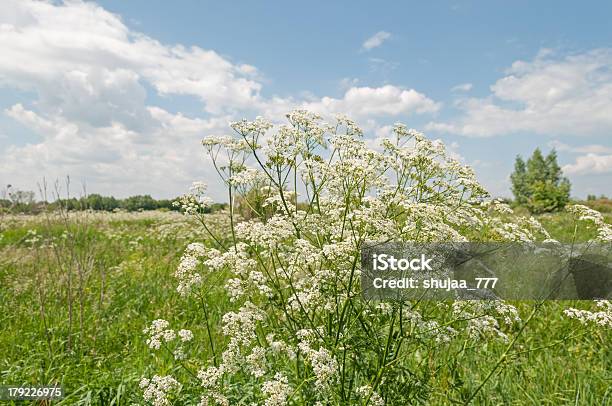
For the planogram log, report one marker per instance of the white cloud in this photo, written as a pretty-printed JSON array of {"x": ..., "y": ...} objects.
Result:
[
  {"x": 115, "y": 159},
  {"x": 590, "y": 164},
  {"x": 92, "y": 76},
  {"x": 362, "y": 102},
  {"x": 463, "y": 87},
  {"x": 89, "y": 73},
  {"x": 85, "y": 51},
  {"x": 582, "y": 149},
  {"x": 569, "y": 95},
  {"x": 375, "y": 40},
  {"x": 594, "y": 159}
]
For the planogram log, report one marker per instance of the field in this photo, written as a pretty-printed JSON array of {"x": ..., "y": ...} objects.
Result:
[
  {"x": 77, "y": 290},
  {"x": 195, "y": 212}
]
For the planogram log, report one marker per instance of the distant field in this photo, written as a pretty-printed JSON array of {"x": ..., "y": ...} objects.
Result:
[{"x": 76, "y": 293}]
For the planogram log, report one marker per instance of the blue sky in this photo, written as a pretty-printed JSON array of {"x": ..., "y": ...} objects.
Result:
[{"x": 117, "y": 94}]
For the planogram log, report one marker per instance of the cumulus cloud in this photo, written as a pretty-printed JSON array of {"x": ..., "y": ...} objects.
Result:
[
  {"x": 91, "y": 76},
  {"x": 114, "y": 159},
  {"x": 89, "y": 72},
  {"x": 590, "y": 164},
  {"x": 389, "y": 100},
  {"x": 362, "y": 103},
  {"x": 569, "y": 95},
  {"x": 375, "y": 40},
  {"x": 592, "y": 159},
  {"x": 85, "y": 51},
  {"x": 583, "y": 149}
]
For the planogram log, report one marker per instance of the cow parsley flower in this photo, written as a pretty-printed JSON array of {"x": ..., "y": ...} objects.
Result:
[
  {"x": 210, "y": 376},
  {"x": 297, "y": 224},
  {"x": 601, "y": 318},
  {"x": 276, "y": 390},
  {"x": 256, "y": 361},
  {"x": 159, "y": 333},
  {"x": 185, "y": 335},
  {"x": 324, "y": 365},
  {"x": 241, "y": 326},
  {"x": 156, "y": 389},
  {"x": 584, "y": 213},
  {"x": 375, "y": 399}
]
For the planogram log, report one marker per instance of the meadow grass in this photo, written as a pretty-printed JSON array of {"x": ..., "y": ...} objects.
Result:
[{"x": 116, "y": 270}]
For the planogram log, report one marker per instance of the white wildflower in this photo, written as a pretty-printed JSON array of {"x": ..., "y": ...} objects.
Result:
[
  {"x": 156, "y": 389},
  {"x": 366, "y": 391},
  {"x": 185, "y": 335},
  {"x": 241, "y": 326},
  {"x": 584, "y": 213},
  {"x": 210, "y": 376},
  {"x": 277, "y": 390},
  {"x": 158, "y": 333},
  {"x": 601, "y": 318},
  {"x": 256, "y": 362}
]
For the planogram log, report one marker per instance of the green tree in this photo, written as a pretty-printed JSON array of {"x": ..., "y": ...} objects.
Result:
[
  {"x": 539, "y": 184},
  {"x": 519, "y": 181},
  {"x": 139, "y": 202}
]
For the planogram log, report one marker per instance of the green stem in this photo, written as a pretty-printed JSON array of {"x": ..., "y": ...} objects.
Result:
[{"x": 505, "y": 354}]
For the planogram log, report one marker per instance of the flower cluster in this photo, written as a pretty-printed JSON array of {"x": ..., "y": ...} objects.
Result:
[
  {"x": 601, "y": 318},
  {"x": 291, "y": 268},
  {"x": 369, "y": 395},
  {"x": 277, "y": 390},
  {"x": 480, "y": 320},
  {"x": 324, "y": 365},
  {"x": 187, "y": 272},
  {"x": 584, "y": 213},
  {"x": 156, "y": 389},
  {"x": 159, "y": 334},
  {"x": 195, "y": 201}
]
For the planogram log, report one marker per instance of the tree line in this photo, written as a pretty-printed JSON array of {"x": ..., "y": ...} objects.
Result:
[
  {"x": 538, "y": 184},
  {"x": 20, "y": 201}
]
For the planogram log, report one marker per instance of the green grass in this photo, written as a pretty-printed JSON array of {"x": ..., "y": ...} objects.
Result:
[{"x": 130, "y": 283}]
